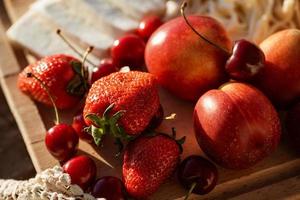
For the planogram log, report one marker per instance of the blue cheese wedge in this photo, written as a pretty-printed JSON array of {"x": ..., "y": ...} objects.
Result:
[
  {"x": 140, "y": 8},
  {"x": 78, "y": 20},
  {"x": 38, "y": 35}
]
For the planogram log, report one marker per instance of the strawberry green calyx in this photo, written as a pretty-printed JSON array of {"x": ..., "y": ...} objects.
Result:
[
  {"x": 77, "y": 86},
  {"x": 107, "y": 125},
  {"x": 179, "y": 142}
]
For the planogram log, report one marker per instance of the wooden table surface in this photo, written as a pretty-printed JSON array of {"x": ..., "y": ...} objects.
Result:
[
  {"x": 14, "y": 158},
  {"x": 287, "y": 188}
]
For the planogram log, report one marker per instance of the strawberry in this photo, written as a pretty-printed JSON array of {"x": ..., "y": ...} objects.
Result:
[
  {"x": 148, "y": 162},
  {"x": 122, "y": 104},
  {"x": 62, "y": 76}
]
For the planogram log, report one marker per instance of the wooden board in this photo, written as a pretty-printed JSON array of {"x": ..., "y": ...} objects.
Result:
[{"x": 33, "y": 120}]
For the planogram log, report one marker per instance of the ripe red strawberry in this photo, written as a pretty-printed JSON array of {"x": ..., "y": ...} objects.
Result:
[
  {"x": 62, "y": 76},
  {"x": 122, "y": 104},
  {"x": 148, "y": 162}
]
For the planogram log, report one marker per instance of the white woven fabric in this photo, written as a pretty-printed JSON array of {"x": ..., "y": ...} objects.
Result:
[{"x": 51, "y": 184}]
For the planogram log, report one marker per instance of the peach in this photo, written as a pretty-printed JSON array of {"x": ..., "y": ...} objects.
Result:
[{"x": 280, "y": 79}]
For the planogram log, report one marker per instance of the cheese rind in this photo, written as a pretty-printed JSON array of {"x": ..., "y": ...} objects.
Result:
[
  {"x": 38, "y": 34},
  {"x": 140, "y": 8},
  {"x": 76, "y": 19},
  {"x": 112, "y": 16}
]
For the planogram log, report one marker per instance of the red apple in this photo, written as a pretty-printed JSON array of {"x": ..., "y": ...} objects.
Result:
[
  {"x": 236, "y": 125},
  {"x": 292, "y": 125},
  {"x": 280, "y": 79},
  {"x": 184, "y": 63}
]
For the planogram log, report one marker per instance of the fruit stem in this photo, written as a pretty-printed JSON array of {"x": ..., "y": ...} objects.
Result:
[
  {"x": 171, "y": 117},
  {"x": 31, "y": 75},
  {"x": 182, "y": 10},
  {"x": 58, "y": 31},
  {"x": 190, "y": 191},
  {"x": 84, "y": 59}
]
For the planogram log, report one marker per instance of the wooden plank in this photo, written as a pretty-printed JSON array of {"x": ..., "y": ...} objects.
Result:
[
  {"x": 284, "y": 190},
  {"x": 34, "y": 120},
  {"x": 16, "y": 8},
  {"x": 9, "y": 66},
  {"x": 26, "y": 116}
]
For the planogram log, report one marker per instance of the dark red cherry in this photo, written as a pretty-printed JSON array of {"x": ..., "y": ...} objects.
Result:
[
  {"x": 293, "y": 127},
  {"x": 246, "y": 61},
  {"x": 82, "y": 170},
  {"x": 197, "y": 174},
  {"x": 128, "y": 51},
  {"x": 79, "y": 125},
  {"x": 110, "y": 188},
  {"x": 157, "y": 119},
  {"x": 61, "y": 141},
  {"x": 105, "y": 68},
  {"x": 148, "y": 25}
]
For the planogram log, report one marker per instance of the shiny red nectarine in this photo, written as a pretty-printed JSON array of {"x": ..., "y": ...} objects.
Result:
[
  {"x": 182, "y": 62},
  {"x": 236, "y": 125}
]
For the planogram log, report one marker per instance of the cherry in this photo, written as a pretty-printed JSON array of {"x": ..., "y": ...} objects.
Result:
[
  {"x": 82, "y": 170},
  {"x": 157, "y": 119},
  {"x": 61, "y": 140},
  {"x": 79, "y": 125},
  {"x": 128, "y": 51},
  {"x": 292, "y": 125},
  {"x": 197, "y": 174},
  {"x": 148, "y": 25},
  {"x": 105, "y": 68},
  {"x": 246, "y": 61},
  {"x": 110, "y": 188}
]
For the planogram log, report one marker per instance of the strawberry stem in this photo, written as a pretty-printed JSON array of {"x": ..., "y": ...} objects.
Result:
[
  {"x": 170, "y": 117},
  {"x": 58, "y": 31},
  {"x": 31, "y": 75},
  {"x": 182, "y": 10},
  {"x": 190, "y": 191}
]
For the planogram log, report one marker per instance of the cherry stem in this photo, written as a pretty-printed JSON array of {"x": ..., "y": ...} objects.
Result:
[
  {"x": 58, "y": 31},
  {"x": 182, "y": 10},
  {"x": 170, "y": 117},
  {"x": 31, "y": 75},
  {"x": 84, "y": 59},
  {"x": 190, "y": 191}
]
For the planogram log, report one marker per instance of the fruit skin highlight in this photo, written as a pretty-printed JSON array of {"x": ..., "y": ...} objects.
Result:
[
  {"x": 236, "y": 126},
  {"x": 182, "y": 62},
  {"x": 280, "y": 79}
]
